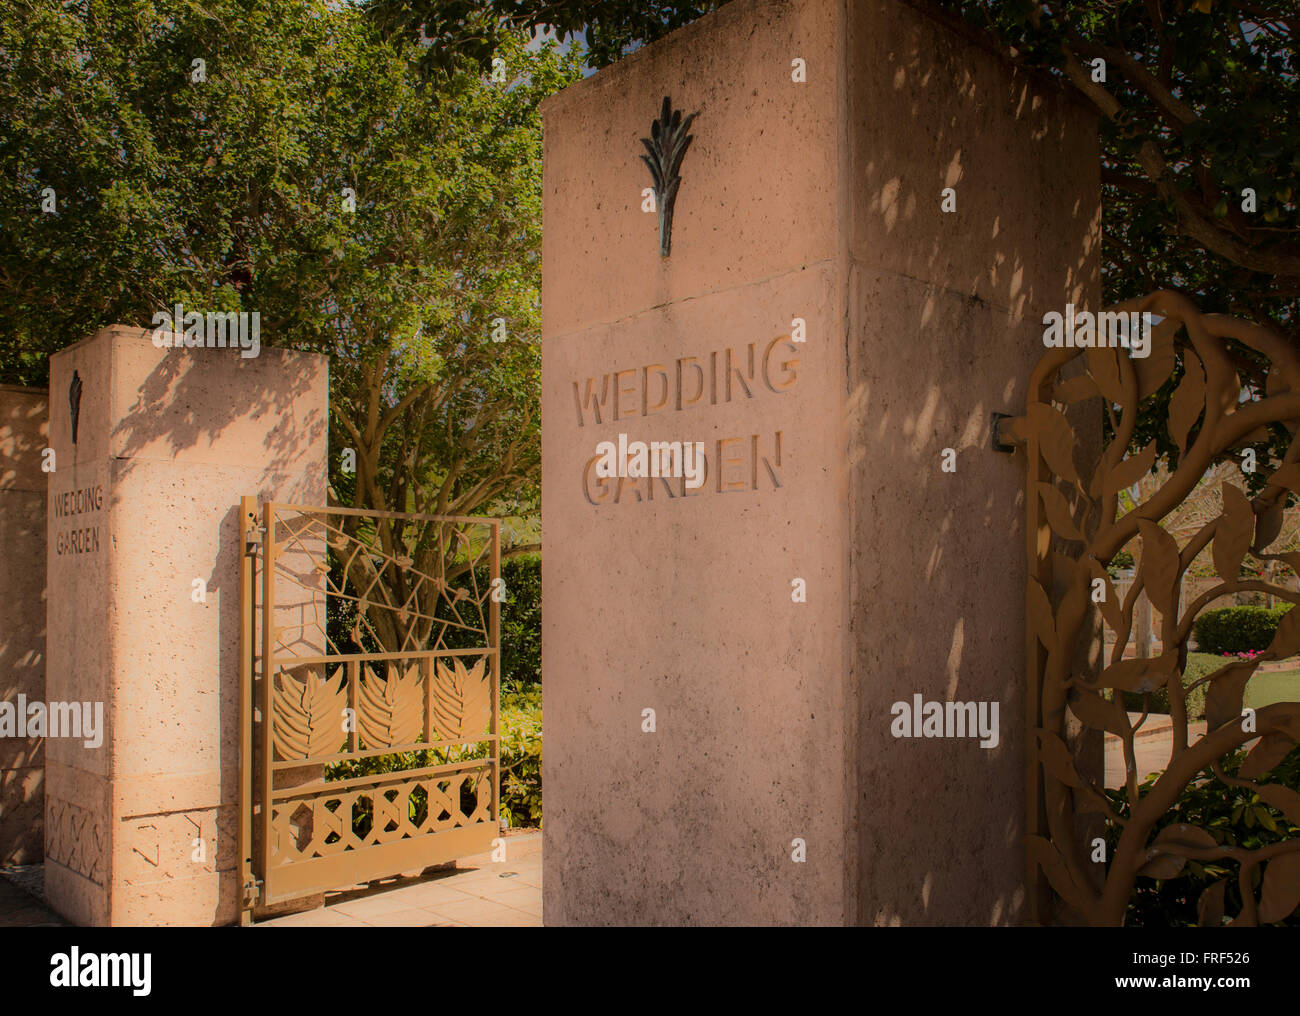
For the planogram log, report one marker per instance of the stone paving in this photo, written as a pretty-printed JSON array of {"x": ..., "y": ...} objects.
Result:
[{"x": 478, "y": 893}]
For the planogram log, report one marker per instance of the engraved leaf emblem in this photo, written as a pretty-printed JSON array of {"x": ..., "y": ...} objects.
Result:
[
  {"x": 390, "y": 712},
  {"x": 308, "y": 713},
  {"x": 462, "y": 702}
]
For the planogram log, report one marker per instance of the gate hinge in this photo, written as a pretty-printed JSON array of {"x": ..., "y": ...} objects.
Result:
[{"x": 252, "y": 891}]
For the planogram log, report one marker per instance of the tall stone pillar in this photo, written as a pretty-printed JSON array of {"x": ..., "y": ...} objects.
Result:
[
  {"x": 155, "y": 447},
  {"x": 874, "y": 215}
]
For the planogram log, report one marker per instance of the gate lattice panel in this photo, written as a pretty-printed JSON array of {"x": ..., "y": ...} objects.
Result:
[{"x": 370, "y": 693}]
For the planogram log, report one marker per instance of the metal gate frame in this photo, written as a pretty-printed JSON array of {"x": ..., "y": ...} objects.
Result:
[{"x": 423, "y": 691}]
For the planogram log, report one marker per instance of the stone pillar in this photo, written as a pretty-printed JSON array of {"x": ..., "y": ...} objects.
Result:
[
  {"x": 23, "y": 417},
  {"x": 826, "y": 330},
  {"x": 144, "y": 502}
]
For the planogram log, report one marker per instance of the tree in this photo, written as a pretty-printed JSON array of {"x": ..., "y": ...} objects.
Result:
[
  {"x": 306, "y": 172},
  {"x": 472, "y": 27}
]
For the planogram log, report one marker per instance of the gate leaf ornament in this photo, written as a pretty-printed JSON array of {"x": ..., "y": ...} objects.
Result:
[
  {"x": 390, "y": 712},
  {"x": 1075, "y": 525},
  {"x": 308, "y": 713},
  {"x": 462, "y": 700}
]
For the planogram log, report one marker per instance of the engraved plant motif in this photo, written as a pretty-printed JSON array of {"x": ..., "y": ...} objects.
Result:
[
  {"x": 667, "y": 145},
  {"x": 1207, "y": 418},
  {"x": 390, "y": 712},
  {"x": 462, "y": 700},
  {"x": 308, "y": 713}
]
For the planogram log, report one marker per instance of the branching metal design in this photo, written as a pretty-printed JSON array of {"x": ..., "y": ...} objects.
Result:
[{"x": 1075, "y": 526}]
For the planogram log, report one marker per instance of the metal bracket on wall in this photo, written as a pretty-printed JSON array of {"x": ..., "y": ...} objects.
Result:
[{"x": 1005, "y": 437}]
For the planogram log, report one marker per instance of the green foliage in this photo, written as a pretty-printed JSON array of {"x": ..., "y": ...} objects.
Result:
[
  {"x": 1241, "y": 629},
  {"x": 521, "y": 621},
  {"x": 1122, "y": 561},
  {"x": 521, "y": 757},
  {"x": 607, "y": 28},
  {"x": 1198, "y": 665},
  {"x": 1234, "y": 816}
]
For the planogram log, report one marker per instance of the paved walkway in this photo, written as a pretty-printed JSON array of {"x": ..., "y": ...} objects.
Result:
[
  {"x": 19, "y": 908},
  {"x": 1151, "y": 746},
  {"x": 478, "y": 893}
]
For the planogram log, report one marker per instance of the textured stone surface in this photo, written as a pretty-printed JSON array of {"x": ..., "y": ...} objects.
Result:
[
  {"x": 173, "y": 437},
  {"x": 819, "y": 201},
  {"x": 23, "y": 417}
]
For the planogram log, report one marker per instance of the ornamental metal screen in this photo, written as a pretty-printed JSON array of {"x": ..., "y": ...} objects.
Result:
[
  {"x": 1228, "y": 383},
  {"x": 370, "y": 675}
]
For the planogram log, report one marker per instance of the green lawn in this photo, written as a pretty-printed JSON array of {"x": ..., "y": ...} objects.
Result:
[{"x": 1265, "y": 689}]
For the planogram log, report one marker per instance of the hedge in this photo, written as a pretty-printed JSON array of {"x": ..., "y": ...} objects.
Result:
[{"x": 1241, "y": 629}]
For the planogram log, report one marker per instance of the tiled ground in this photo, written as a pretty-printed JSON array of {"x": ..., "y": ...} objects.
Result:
[{"x": 479, "y": 893}]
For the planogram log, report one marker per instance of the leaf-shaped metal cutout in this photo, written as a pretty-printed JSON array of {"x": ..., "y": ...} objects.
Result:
[
  {"x": 1188, "y": 400},
  {"x": 390, "y": 712},
  {"x": 1041, "y": 621},
  {"x": 1103, "y": 365},
  {"x": 1284, "y": 799},
  {"x": 1110, "y": 607},
  {"x": 1233, "y": 534},
  {"x": 1271, "y": 750},
  {"x": 1075, "y": 389},
  {"x": 1056, "y": 439},
  {"x": 308, "y": 713},
  {"x": 462, "y": 700},
  {"x": 1227, "y": 692},
  {"x": 1279, "y": 894},
  {"x": 1058, "y": 512},
  {"x": 1099, "y": 713},
  {"x": 1159, "y": 567},
  {"x": 1209, "y": 908},
  {"x": 1138, "y": 675},
  {"x": 1056, "y": 757},
  {"x": 1129, "y": 471},
  {"x": 1286, "y": 640}
]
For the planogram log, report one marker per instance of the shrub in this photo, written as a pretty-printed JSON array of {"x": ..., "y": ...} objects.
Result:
[
  {"x": 521, "y": 757},
  {"x": 1198, "y": 665},
  {"x": 1234, "y": 816},
  {"x": 1237, "y": 629}
]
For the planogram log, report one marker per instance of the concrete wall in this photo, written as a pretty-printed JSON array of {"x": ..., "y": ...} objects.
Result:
[
  {"x": 168, "y": 441},
  {"x": 23, "y": 428},
  {"x": 945, "y": 324},
  {"x": 817, "y": 200}
]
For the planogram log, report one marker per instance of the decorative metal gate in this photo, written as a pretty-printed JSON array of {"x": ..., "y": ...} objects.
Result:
[
  {"x": 1075, "y": 526},
  {"x": 369, "y": 696}
]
